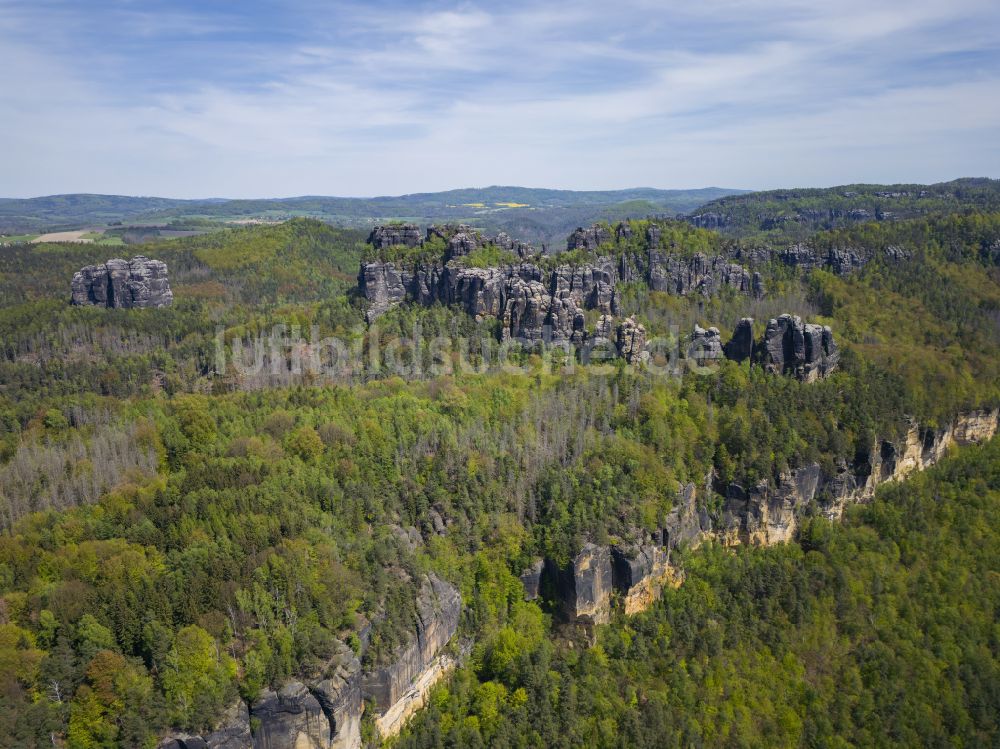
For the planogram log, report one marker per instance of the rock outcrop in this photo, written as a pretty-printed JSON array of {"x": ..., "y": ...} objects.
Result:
[
  {"x": 768, "y": 512},
  {"x": 631, "y": 341},
  {"x": 531, "y": 579},
  {"x": 740, "y": 346},
  {"x": 382, "y": 286},
  {"x": 590, "y": 286},
  {"x": 320, "y": 712},
  {"x": 399, "y": 687},
  {"x": 705, "y": 345},
  {"x": 585, "y": 586},
  {"x": 700, "y": 274},
  {"x": 290, "y": 717},
  {"x": 801, "y": 349},
  {"x": 764, "y": 514},
  {"x": 395, "y": 235},
  {"x": 232, "y": 732},
  {"x": 533, "y": 304},
  {"x": 126, "y": 284},
  {"x": 641, "y": 571},
  {"x": 788, "y": 347},
  {"x": 338, "y": 691},
  {"x": 589, "y": 239},
  {"x": 686, "y": 523}
]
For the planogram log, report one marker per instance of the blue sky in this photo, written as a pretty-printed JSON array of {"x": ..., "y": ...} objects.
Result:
[{"x": 262, "y": 99}]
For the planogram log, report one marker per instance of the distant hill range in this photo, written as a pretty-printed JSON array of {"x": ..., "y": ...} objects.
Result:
[
  {"x": 538, "y": 215},
  {"x": 541, "y": 216},
  {"x": 784, "y": 215}
]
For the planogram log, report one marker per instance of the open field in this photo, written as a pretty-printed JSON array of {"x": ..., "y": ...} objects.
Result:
[
  {"x": 79, "y": 236},
  {"x": 17, "y": 238},
  {"x": 64, "y": 236}
]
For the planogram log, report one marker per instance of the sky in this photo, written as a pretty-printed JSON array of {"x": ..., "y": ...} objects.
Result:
[{"x": 203, "y": 98}]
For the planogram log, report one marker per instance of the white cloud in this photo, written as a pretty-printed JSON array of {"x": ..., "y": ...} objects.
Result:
[{"x": 739, "y": 93}]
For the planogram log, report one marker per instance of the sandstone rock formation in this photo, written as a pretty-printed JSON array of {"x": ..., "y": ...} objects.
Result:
[
  {"x": 588, "y": 239},
  {"x": 139, "y": 282},
  {"x": 382, "y": 286},
  {"x": 686, "y": 523},
  {"x": 705, "y": 345},
  {"x": 631, "y": 341},
  {"x": 406, "y": 235},
  {"x": 584, "y": 586},
  {"x": 531, "y": 579},
  {"x": 232, "y": 732},
  {"x": 290, "y": 717},
  {"x": 589, "y": 286},
  {"x": 700, "y": 274},
  {"x": 438, "y": 607},
  {"x": 740, "y": 346},
  {"x": 533, "y": 304},
  {"x": 763, "y": 514},
  {"x": 804, "y": 350},
  {"x": 641, "y": 571},
  {"x": 789, "y": 347},
  {"x": 338, "y": 691}
]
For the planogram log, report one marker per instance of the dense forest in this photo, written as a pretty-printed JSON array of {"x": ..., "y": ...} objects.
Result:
[
  {"x": 176, "y": 537},
  {"x": 880, "y": 631}
]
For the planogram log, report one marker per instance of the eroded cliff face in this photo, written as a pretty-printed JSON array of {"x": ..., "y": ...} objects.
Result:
[
  {"x": 324, "y": 710},
  {"x": 290, "y": 717},
  {"x": 700, "y": 274},
  {"x": 789, "y": 347},
  {"x": 338, "y": 692},
  {"x": 769, "y": 513},
  {"x": 764, "y": 514},
  {"x": 139, "y": 282},
  {"x": 584, "y": 585},
  {"x": 793, "y": 347},
  {"x": 527, "y": 299},
  {"x": 232, "y": 732},
  {"x": 534, "y": 305},
  {"x": 641, "y": 572},
  {"x": 400, "y": 687}
]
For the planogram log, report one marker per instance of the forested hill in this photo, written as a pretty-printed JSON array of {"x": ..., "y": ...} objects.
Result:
[
  {"x": 782, "y": 215},
  {"x": 191, "y": 547},
  {"x": 876, "y": 632},
  {"x": 539, "y": 215}
]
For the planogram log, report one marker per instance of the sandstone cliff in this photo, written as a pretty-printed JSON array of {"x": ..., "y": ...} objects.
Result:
[
  {"x": 584, "y": 585},
  {"x": 324, "y": 709},
  {"x": 788, "y": 347},
  {"x": 535, "y": 300},
  {"x": 400, "y": 687},
  {"x": 800, "y": 349},
  {"x": 766, "y": 513},
  {"x": 232, "y": 732},
  {"x": 139, "y": 282},
  {"x": 323, "y": 712}
]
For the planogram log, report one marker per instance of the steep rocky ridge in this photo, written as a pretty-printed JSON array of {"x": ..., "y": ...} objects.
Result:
[
  {"x": 399, "y": 687},
  {"x": 324, "y": 710},
  {"x": 802, "y": 211},
  {"x": 761, "y": 515},
  {"x": 538, "y": 298},
  {"x": 789, "y": 346}
]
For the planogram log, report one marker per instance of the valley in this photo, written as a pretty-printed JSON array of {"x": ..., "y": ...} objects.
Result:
[{"x": 714, "y": 467}]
